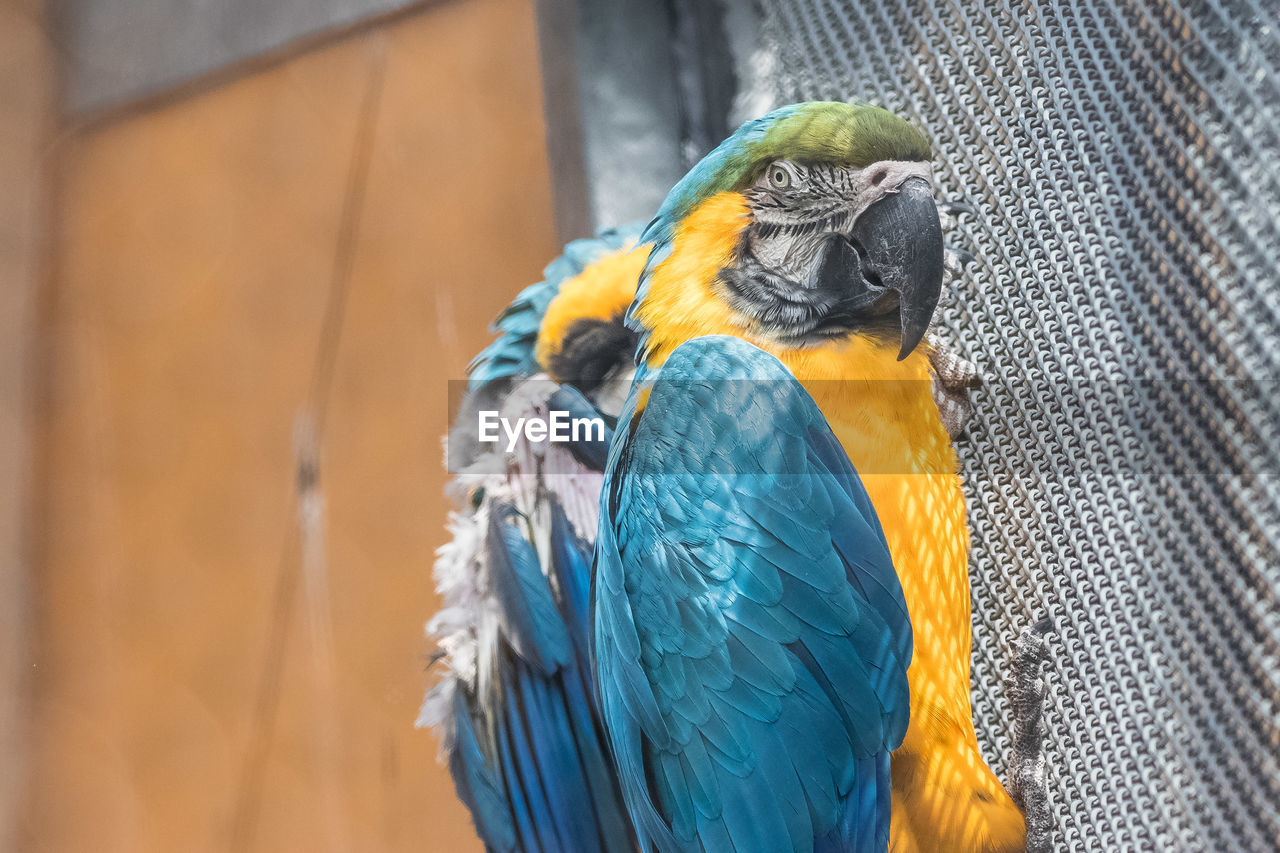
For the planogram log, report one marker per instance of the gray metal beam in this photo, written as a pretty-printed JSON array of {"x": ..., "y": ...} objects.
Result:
[
  {"x": 636, "y": 91},
  {"x": 118, "y": 51}
]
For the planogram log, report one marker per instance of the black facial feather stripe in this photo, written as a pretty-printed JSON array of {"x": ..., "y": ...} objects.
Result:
[
  {"x": 591, "y": 348},
  {"x": 834, "y": 222}
]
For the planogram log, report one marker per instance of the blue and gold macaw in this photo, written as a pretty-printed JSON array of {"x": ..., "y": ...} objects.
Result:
[{"x": 774, "y": 652}]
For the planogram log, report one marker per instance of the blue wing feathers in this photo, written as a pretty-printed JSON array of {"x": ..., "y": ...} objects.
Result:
[
  {"x": 750, "y": 636},
  {"x": 531, "y": 621},
  {"x": 531, "y": 736},
  {"x": 546, "y": 784},
  {"x": 523, "y": 790},
  {"x": 562, "y": 790},
  {"x": 483, "y": 793},
  {"x": 550, "y": 734},
  {"x": 571, "y": 569},
  {"x": 529, "y": 757},
  {"x": 601, "y": 780}
]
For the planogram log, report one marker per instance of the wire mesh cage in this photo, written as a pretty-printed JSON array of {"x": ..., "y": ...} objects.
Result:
[{"x": 1123, "y": 308}]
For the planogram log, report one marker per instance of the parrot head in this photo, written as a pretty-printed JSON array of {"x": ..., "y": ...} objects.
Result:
[{"x": 813, "y": 224}]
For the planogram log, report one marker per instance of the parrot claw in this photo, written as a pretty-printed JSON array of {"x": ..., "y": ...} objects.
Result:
[
  {"x": 949, "y": 213},
  {"x": 954, "y": 208},
  {"x": 954, "y": 262},
  {"x": 953, "y": 379},
  {"x": 954, "y": 259},
  {"x": 1028, "y": 781},
  {"x": 960, "y": 258}
]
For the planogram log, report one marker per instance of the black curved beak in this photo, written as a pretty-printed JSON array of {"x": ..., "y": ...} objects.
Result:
[{"x": 893, "y": 257}]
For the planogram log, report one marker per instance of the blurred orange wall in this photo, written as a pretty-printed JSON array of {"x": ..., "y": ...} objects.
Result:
[
  {"x": 26, "y": 93},
  {"x": 196, "y": 254}
]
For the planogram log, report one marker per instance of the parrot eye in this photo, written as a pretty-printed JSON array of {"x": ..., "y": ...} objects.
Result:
[{"x": 779, "y": 177}]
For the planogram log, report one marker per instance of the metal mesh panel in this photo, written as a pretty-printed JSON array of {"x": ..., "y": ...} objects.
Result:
[{"x": 1122, "y": 462}]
